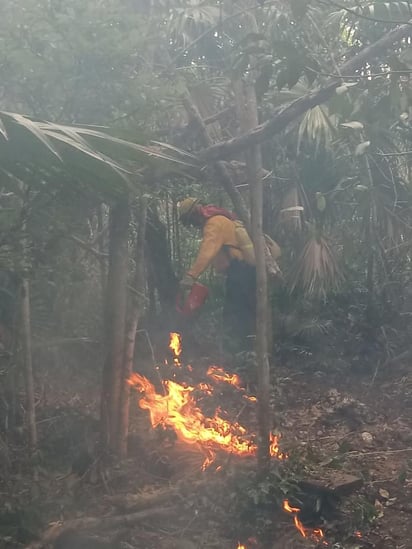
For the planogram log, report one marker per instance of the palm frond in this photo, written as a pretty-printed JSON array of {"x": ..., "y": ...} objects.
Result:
[
  {"x": 317, "y": 270},
  {"x": 390, "y": 11},
  {"x": 317, "y": 126},
  {"x": 96, "y": 158}
]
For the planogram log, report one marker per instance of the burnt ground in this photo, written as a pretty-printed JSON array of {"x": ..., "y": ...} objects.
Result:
[{"x": 334, "y": 420}]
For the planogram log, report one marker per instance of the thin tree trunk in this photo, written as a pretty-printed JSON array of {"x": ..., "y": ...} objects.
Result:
[
  {"x": 369, "y": 233},
  {"x": 100, "y": 247},
  {"x": 134, "y": 315},
  {"x": 177, "y": 247},
  {"x": 115, "y": 318},
  {"x": 28, "y": 365},
  {"x": 168, "y": 224},
  {"x": 254, "y": 170}
]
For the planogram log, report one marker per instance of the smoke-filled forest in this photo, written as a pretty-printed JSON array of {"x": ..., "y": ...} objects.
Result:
[{"x": 205, "y": 274}]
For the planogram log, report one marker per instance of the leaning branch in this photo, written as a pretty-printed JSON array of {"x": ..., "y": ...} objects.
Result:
[{"x": 285, "y": 115}]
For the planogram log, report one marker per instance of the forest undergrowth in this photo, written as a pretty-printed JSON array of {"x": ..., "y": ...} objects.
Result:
[{"x": 348, "y": 436}]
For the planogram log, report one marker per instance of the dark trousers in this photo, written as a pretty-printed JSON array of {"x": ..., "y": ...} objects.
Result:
[{"x": 239, "y": 313}]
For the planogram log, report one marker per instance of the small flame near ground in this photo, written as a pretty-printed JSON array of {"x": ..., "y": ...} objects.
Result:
[
  {"x": 316, "y": 534},
  {"x": 175, "y": 345},
  {"x": 219, "y": 374}
]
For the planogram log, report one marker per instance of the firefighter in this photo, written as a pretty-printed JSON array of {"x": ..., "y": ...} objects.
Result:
[{"x": 221, "y": 248}]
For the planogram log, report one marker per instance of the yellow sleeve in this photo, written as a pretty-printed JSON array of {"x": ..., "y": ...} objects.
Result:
[{"x": 212, "y": 241}]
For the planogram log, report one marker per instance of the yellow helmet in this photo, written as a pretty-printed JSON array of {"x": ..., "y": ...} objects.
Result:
[{"x": 186, "y": 207}]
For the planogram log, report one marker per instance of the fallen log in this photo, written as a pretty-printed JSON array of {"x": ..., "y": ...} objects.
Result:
[
  {"x": 144, "y": 500},
  {"x": 100, "y": 523}
]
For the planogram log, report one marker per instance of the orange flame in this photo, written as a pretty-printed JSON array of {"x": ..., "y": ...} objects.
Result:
[
  {"x": 178, "y": 409},
  {"x": 175, "y": 345},
  {"x": 274, "y": 449},
  {"x": 316, "y": 534},
  {"x": 219, "y": 374},
  {"x": 250, "y": 398},
  {"x": 240, "y": 546}
]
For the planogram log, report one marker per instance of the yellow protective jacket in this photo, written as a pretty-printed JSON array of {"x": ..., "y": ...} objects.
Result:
[{"x": 219, "y": 245}]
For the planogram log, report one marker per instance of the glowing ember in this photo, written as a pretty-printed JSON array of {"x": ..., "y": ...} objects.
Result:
[
  {"x": 175, "y": 345},
  {"x": 316, "y": 535},
  {"x": 250, "y": 398},
  {"x": 357, "y": 534},
  {"x": 219, "y": 374},
  {"x": 240, "y": 546}
]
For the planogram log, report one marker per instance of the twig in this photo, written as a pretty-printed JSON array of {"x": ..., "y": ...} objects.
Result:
[
  {"x": 403, "y": 153},
  {"x": 357, "y": 76},
  {"x": 377, "y": 452},
  {"x": 145, "y": 332},
  {"x": 87, "y": 247}
]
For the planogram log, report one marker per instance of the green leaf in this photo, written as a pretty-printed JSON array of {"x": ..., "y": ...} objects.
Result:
[
  {"x": 354, "y": 125},
  {"x": 361, "y": 148}
]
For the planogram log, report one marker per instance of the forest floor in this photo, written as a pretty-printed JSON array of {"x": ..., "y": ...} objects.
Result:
[{"x": 333, "y": 421}]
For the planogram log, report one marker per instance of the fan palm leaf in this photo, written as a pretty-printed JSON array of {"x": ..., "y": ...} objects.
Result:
[{"x": 317, "y": 271}]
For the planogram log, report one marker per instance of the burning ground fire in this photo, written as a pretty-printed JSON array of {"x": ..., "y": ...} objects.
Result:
[
  {"x": 178, "y": 409},
  {"x": 315, "y": 535}
]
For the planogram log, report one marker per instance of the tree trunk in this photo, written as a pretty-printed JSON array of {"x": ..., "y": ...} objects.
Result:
[
  {"x": 254, "y": 170},
  {"x": 115, "y": 319},
  {"x": 134, "y": 315},
  {"x": 28, "y": 365}
]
